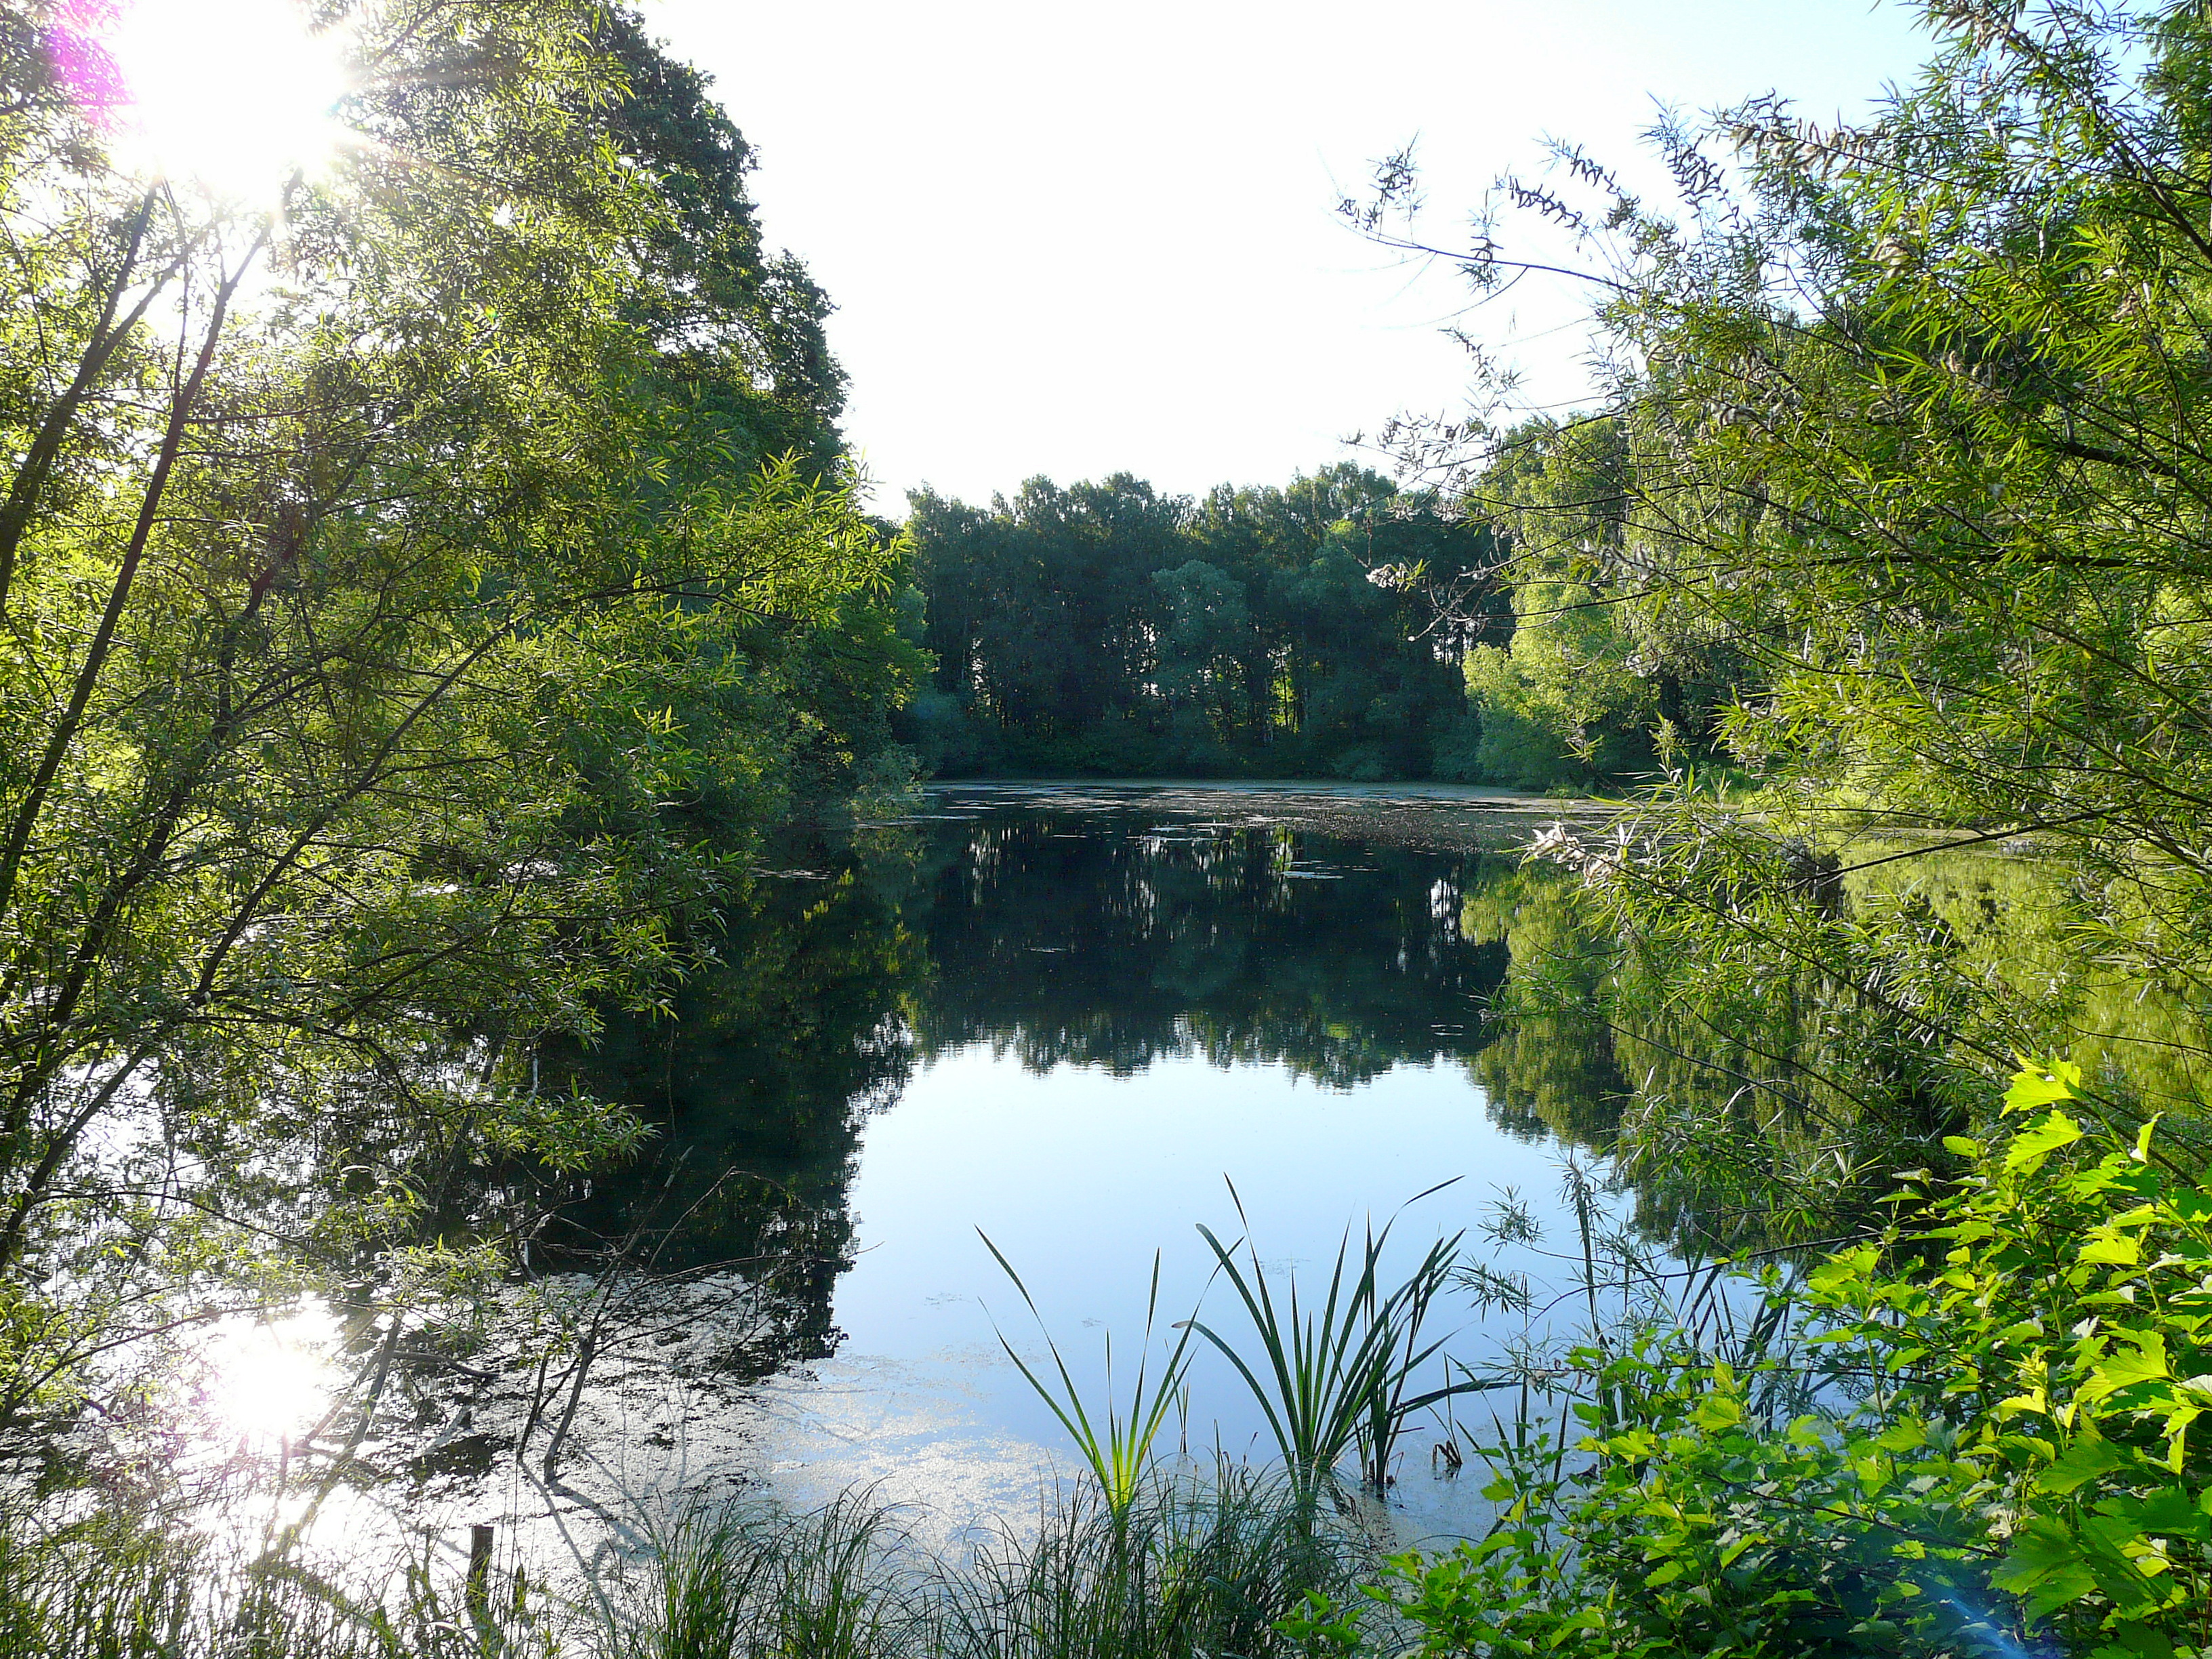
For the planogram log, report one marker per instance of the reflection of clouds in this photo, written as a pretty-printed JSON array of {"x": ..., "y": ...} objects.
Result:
[
  {"x": 912, "y": 1433},
  {"x": 1255, "y": 990}
]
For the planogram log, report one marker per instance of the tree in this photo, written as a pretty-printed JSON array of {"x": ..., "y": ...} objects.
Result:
[
  {"x": 1103, "y": 628},
  {"x": 1911, "y": 477},
  {"x": 367, "y": 630}
]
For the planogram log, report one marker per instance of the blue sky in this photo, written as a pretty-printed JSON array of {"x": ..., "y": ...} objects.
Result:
[{"x": 1076, "y": 240}]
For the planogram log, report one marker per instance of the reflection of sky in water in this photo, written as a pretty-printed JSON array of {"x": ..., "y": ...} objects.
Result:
[
  {"x": 1123, "y": 943},
  {"x": 1078, "y": 1176}
]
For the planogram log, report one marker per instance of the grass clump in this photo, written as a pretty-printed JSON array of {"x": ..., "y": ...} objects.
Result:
[
  {"x": 116, "y": 1585},
  {"x": 729, "y": 1582},
  {"x": 1187, "y": 1568},
  {"x": 1192, "y": 1568},
  {"x": 1340, "y": 1379}
]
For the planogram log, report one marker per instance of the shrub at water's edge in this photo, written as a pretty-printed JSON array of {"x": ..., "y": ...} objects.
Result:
[{"x": 1981, "y": 1437}]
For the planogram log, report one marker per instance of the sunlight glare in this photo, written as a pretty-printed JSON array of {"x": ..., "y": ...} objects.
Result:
[
  {"x": 267, "y": 1381},
  {"x": 234, "y": 96}
]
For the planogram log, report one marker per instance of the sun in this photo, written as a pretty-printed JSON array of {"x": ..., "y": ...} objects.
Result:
[
  {"x": 234, "y": 96},
  {"x": 271, "y": 1379}
]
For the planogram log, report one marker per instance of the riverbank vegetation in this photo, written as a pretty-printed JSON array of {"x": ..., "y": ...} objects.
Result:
[
  {"x": 438, "y": 624},
  {"x": 1191, "y": 1567},
  {"x": 1898, "y": 490},
  {"x": 429, "y": 584}
]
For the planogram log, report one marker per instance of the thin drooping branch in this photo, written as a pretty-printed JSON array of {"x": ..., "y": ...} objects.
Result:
[
  {"x": 181, "y": 405},
  {"x": 38, "y": 463}
]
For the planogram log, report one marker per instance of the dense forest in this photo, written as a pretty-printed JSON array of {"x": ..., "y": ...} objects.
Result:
[
  {"x": 1107, "y": 628},
  {"x": 1342, "y": 626}
]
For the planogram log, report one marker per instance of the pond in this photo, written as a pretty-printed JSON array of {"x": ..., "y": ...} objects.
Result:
[{"x": 1080, "y": 1024}]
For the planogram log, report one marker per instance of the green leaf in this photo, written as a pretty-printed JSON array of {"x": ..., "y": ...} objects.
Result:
[
  {"x": 2132, "y": 1639},
  {"x": 2034, "y": 1085},
  {"x": 2143, "y": 1360},
  {"x": 2108, "y": 1246},
  {"x": 2169, "y": 1512},
  {"x": 2045, "y": 1566},
  {"x": 1908, "y": 1435},
  {"x": 2089, "y": 1456},
  {"x": 1717, "y": 1411},
  {"x": 2037, "y": 1142}
]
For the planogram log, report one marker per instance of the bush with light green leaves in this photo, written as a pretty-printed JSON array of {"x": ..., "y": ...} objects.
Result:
[{"x": 1979, "y": 1434}]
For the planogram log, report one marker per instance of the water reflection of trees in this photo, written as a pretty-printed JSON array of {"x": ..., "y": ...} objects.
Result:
[
  {"x": 1112, "y": 941},
  {"x": 756, "y": 1080},
  {"x": 1550, "y": 1069},
  {"x": 1069, "y": 940},
  {"x": 1062, "y": 939},
  {"x": 1771, "y": 1083}
]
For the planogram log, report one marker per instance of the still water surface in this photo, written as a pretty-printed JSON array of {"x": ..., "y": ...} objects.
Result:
[{"x": 1074, "y": 1025}]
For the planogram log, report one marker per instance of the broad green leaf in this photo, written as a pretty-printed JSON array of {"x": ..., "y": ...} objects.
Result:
[
  {"x": 2045, "y": 1566},
  {"x": 2037, "y": 1142},
  {"x": 2089, "y": 1456},
  {"x": 2036, "y": 1085},
  {"x": 2141, "y": 1360},
  {"x": 2108, "y": 1246}
]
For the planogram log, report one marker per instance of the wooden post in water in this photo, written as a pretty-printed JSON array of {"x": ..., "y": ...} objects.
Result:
[{"x": 479, "y": 1586}]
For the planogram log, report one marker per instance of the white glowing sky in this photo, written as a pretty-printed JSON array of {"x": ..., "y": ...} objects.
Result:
[{"x": 1074, "y": 238}]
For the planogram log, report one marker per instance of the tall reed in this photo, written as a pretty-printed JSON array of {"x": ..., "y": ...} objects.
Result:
[
  {"x": 1342, "y": 1378},
  {"x": 1118, "y": 1450}
]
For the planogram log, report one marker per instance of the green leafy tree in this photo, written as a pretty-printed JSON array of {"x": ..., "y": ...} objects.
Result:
[
  {"x": 369, "y": 629},
  {"x": 1104, "y": 629}
]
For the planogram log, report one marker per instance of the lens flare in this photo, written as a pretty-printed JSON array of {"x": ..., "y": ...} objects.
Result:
[{"x": 232, "y": 95}]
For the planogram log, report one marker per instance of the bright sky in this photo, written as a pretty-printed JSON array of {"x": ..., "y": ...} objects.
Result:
[{"x": 1079, "y": 240}]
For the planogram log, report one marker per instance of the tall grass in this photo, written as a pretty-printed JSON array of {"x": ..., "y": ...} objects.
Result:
[
  {"x": 1118, "y": 1450},
  {"x": 115, "y": 1586},
  {"x": 1190, "y": 1568},
  {"x": 1340, "y": 1379},
  {"x": 730, "y": 1581}
]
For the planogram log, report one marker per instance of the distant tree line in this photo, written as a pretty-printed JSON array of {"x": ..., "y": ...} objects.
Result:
[
  {"x": 1108, "y": 628},
  {"x": 1339, "y": 627}
]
